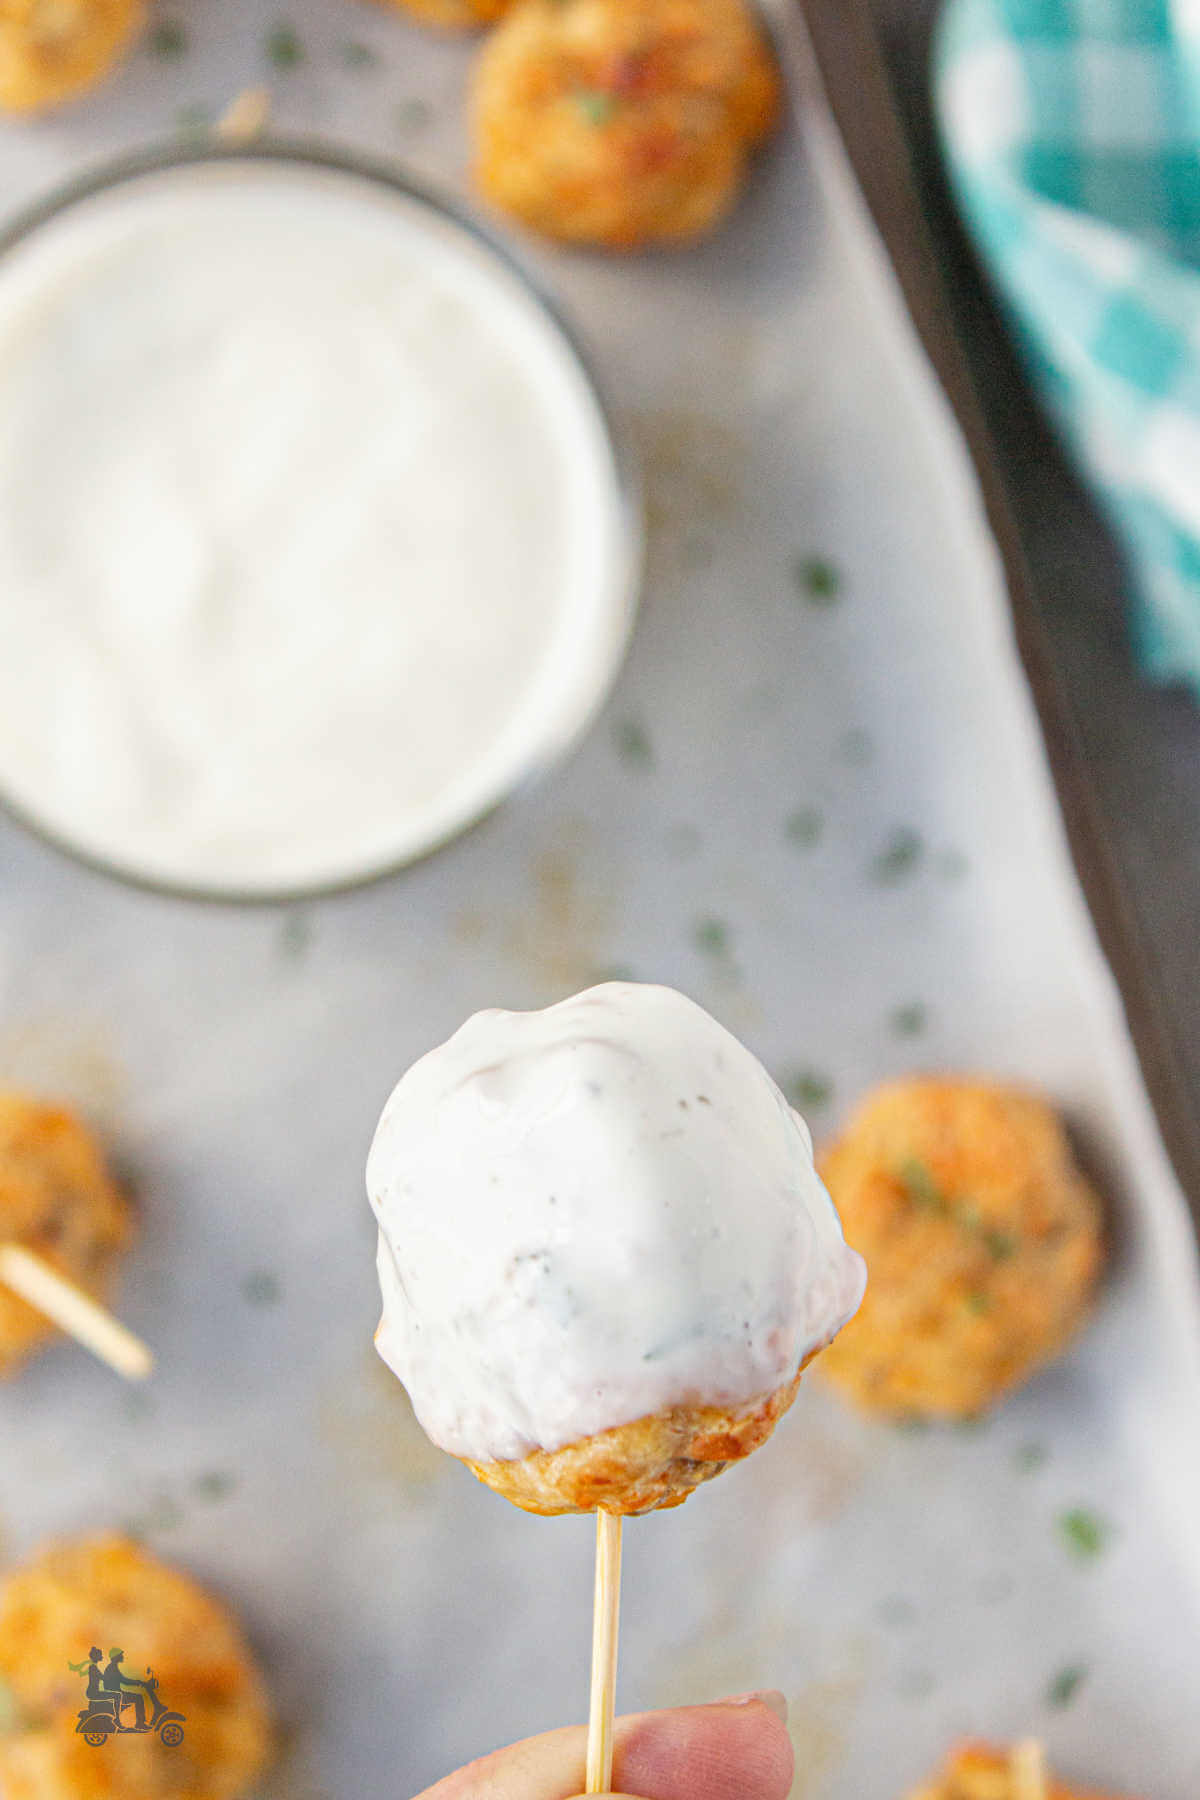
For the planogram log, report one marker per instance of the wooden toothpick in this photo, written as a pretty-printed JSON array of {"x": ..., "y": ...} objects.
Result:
[
  {"x": 1027, "y": 1765},
  {"x": 605, "y": 1624},
  {"x": 74, "y": 1312}
]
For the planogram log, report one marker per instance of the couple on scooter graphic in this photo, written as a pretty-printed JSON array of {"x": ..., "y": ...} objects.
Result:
[{"x": 110, "y": 1691}]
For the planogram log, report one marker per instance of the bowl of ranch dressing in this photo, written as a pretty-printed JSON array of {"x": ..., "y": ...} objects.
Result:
[{"x": 316, "y": 538}]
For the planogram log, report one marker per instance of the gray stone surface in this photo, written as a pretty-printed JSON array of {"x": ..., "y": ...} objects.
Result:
[{"x": 1142, "y": 742}]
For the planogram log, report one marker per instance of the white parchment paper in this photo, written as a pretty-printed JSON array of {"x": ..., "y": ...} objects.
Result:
[{"x": 918, "y": 910}]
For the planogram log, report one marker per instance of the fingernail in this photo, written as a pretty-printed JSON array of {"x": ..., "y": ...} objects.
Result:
[{"x": 771, "y": 1698}]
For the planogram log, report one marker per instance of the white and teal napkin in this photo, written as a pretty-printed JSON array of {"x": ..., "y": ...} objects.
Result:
[{"x": 1072, "y": 133}]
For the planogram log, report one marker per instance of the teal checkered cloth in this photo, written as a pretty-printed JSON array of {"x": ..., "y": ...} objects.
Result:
[{"x": 1072, "y": 133}]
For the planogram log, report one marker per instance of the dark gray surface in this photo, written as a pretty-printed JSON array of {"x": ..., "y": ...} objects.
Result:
[{"x": 1142, "y": 742}]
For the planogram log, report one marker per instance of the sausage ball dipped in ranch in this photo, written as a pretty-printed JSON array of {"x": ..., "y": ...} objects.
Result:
[{"x": 605, "y": 1254}]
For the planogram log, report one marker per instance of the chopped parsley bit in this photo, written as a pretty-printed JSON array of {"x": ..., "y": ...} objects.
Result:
[
  {"x": 356, "y": 55},
  {"x": 1085, "y": 1533},
  {"x": 261, "y": 1288},
  {"x": 295, "y": 935},
  {"x": 896, "y": 1610},
  {"x": 912, "y": 1424},
  {"x": 806, "y": 1087},
  {"x": 1066, "y": 1684},
  {"x": 214, "y": 1484},
  {"x": 169, "y": 39},
  {"x": 612, "y": 972},
  {"x": 284, "y": 47},
  {"x": 819, "y": 580},
  {"x": 1002, "y": 1244},
  {"x": 163, "y": 1514},
  {"x": 857, "y": 746},
  {"x": 899, "y": 856},
  {"x": 413, "y": 114},
  {"x": 194, "y": 120},
  {"x": 633, "y": 743},
  {"x": 1028, "y": 1457},
  {"x": 979, "y": 1303},
  {"x": 712, "y": 936},
  {"x": 596, "y": 106},
  {"x": 909, "y": 1020},
  {"x": 923, "y": 1190},
  {"x": 804, "y": 826},
  {"x": 683, "y": 840},
  {"x": 915, "y": 1684}
]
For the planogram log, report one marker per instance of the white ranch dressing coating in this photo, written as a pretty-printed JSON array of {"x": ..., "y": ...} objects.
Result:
[
  {"x": 591, "y": 1213},
  {"x": 311, "y": 539}
]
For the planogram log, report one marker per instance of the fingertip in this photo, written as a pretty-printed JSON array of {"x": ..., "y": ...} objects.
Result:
[{"x": 735, "y": 1750}]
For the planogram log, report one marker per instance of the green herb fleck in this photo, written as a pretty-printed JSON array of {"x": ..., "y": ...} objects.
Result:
[
  {"x": 295, "y": 935},
  {"x": 818, "y": 580},
  {"x": 712, "y": 936},
  {"x": 915, "y": 1684},
  {"x": 633, "y": 743},
  {"x": 952, "y": 865},
  {"x": 596, "y": 106},
  {"x": 923, "y": 1190},
  {"x": 193, "y": 121},
  {"x": 804, "y": 826},
  {"x": 912, "y": 1425},
  {"x": 214, "y": 1485},
  {"x": 909, "y": 1020},
  {"x": 1066, "y": 1684},
  {"x": 10, "y": 1712},
  {"x": 356, "y": 55},
  {"x": 1084, "y": 1532},
  {"x": 413, "y": 114},
  {"x": 807, "y": 1088},
  {"x": 612, "y": 972},
  {"x": 1029, "y": 1457},
  {"x": 979, "y": 1303},
  {"x": 169, "y": 39},
  {"x": 261, "y": 1288},
  {"x": 857, "y": 746},
  {"x": 899, "y": 856},
  {"x": 1002, "y": 1244},
  {"x": 683, "y": 841},
  {"x": 284, "y": 46},
  {"x": 163, "y": 1514}
]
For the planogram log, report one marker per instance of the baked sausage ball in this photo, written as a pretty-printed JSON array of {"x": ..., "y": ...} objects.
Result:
[
  {"x": 621, "y": 122},
  {"x": 108, "y": 1592},
  {"x": 453, "y": 15},
  {"x": 605, "y": 1257},
  {"x": 51, "y": 50},
  {"x": 56, "y": 1198},
  {"x": 981, "y": 1772},
  {"x": 982, "y": 1238}
]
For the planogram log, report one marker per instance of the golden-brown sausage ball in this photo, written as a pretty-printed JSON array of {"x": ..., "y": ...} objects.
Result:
[
  {"x": 454, "y": 15},
  {"x": 58, "y": 1199},
  {"x": 651, "y": 1463},
  {"x": 110, "y": 1593},
  {"x": 51, "y": 50},
  {"x": 983, "y": 1243},
  {"x": 981, "y": 1772},
  {"x": 621, "y": 122}
]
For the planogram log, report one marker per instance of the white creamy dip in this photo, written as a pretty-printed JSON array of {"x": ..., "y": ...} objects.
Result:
[
  {"x": 311, "y": 538},
  {"x": 594, "y": 1212}
]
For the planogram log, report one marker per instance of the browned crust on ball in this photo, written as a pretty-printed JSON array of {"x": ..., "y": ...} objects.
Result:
[
  {"x": 652, "y": 1462},
  {"x": 58, "y": 1199}
]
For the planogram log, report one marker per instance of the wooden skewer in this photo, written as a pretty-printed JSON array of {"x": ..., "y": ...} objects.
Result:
[
  {"x": 74, "y": 1312},
  {"x": 605, "y": 1624},
  {"x": 1027, "y": 1766}
]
